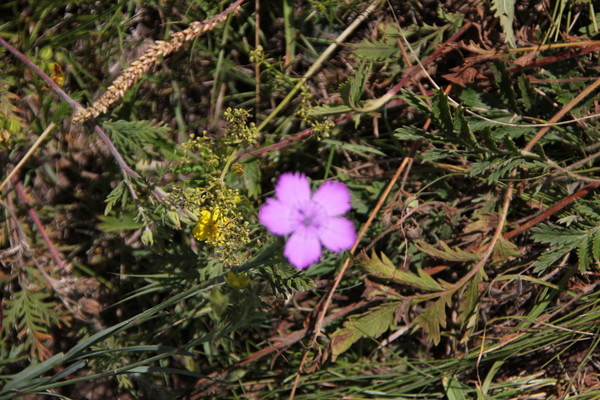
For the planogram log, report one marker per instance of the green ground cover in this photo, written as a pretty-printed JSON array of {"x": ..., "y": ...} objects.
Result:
[{"x": 434, "y": 165}]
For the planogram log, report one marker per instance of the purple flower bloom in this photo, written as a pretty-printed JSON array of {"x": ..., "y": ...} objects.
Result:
[{"x": 311, "y": 220}]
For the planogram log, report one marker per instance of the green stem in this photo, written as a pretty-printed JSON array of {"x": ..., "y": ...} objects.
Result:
[
  {"x": 319, "y": 62},
  {"x": 230, "y": 159}
]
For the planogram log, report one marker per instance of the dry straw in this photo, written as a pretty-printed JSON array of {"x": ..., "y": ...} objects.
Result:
[{"x": 131, "y": 75}]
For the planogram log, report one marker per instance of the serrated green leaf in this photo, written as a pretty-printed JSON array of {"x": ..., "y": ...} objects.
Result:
[
  {"x": 505, "y": 82},
  {"x": 484, "y": 222},
  {"x": 464, "y": 131},
  {"x": 353, "y": 89},
  {"x": 30, "y": 314},
  {"x": 359, "y": 149},
  {"x": 505, "y": 11},
  {"x": 548, "y": 258},
  {"x": 125, "y": 222},
  {"x": 490, "y": 142},
  {"x": 385, "y": 269},
  {"x": 583, "y": 254},
  {"x": 596, "y": 245},
  {"x": 117, "y": 194},
  {"x": 525, "y": 90},
  {"x": 504, "y": 249},
  {"x": 433, "y": 318},
  {"x": 469, "y": 306},
  {"x": 342, "y": 339},
  {"x": 324, "y": 111},
  {"x": 416, "y": 101},
  {"x": 564, "y": 240},
  {"x": 510, "y": 145},
  {"x": 555, "y": 235},
  {"x": 139, "y": 140},
  {"x": 379, "y": 267},
  {"x": 447, "y": 253},
  {"x": 376, "y": 321},
  {"x": 372, "y": 323},
  {"x": 376, "y": 50},
  {"x": 472, "y": 98},
  {"x": 409, "y": 133},
  {"x": 441, "y": 109},
  {"x": 290, "y": 30},
  {"x": 251, "y": 178}
]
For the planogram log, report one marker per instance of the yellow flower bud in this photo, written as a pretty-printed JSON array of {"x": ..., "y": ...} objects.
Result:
[
  {"x": 147, "y": 237},
  {"x": 174, "y": 219},
  {"x": 237, "y": 281}
]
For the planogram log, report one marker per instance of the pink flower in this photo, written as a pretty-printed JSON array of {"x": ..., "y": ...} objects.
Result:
[{"x": 311, "y": 220}]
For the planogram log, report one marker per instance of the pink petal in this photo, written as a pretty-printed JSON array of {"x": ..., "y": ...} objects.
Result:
[
  {"x": 293, "y": 188},
  {"x": 337, "y": 234},
  {"x": 334, "y": 197},
  {"x": 277, "y": 217},
  {"x": 303, "y": 248}
]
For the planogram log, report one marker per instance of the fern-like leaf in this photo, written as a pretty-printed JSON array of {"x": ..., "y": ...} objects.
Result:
[
  {"x": 433, "y": 318},
  {"x": 447, "y": 253},
  {"x": 376, "y": 50},
  {"x": 372, "y": 323},
  {"x": 385, "y": 269},
  {"x": 31, "y": 314},
  {"x": 586, "y": 243}
]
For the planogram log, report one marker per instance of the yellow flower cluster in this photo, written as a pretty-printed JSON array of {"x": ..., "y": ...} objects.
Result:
[
  {"x": 210, "y": 226},
  {"x": 239, "y": 131}
]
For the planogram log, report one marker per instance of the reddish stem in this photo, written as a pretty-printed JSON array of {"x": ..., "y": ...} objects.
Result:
[
  {"x": 552, "y": 210},
  {"x": 36, "y": 220}
]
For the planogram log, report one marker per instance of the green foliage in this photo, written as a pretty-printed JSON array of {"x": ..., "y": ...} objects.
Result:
[
  {"x": 433, "y": 318},
  {"x": 504, "y": 10},
  {"x": 446, "y": 253},
  {"x": 376, "y": 50},
  {"x": 370, "y": 324},
  {"x": 11, "y": 119},
  {"x": 585, "y": 241},
  {"x": 353, "y": 89},
  {"x": 187, "y": 281},
  {"x": 383, "y": 268},
  {"x": 140, "y": 140},
  {"x": 29, "y": 314}
]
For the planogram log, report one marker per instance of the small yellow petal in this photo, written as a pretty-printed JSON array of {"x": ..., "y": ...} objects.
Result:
[{"x": 209, "y": 225}]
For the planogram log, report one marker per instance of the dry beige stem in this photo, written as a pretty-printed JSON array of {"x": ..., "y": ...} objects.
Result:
[{"x": 131, "y": 75}]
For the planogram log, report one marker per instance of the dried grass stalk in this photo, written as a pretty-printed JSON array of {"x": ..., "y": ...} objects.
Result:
[{"x": 142, "y": 64}]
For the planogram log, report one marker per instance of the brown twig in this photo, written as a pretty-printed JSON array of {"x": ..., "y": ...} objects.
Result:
[
  {"x": 587, "y": 91},
  {"x": 416, "y": 71},
  {"x": 552, "y": 210},
  {"x": 552, "y": 59},
  {"x": 288, "y": 141}
]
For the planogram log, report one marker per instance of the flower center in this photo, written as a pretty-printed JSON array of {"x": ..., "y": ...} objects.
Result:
[
  {"x": 307, "y": 219},
  {"x": 310, "y": 215}
]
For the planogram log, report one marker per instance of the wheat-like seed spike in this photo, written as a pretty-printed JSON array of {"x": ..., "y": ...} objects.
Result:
[{"x": 142, "y": 64}]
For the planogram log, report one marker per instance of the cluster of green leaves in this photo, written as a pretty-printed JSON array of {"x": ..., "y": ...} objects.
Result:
[{"x": 179, "y": 306}]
